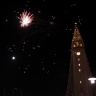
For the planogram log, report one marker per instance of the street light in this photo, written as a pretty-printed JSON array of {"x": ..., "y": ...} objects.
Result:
[{"x": 92, "y": 80}]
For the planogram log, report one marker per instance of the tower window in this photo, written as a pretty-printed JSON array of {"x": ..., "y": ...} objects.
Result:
[
  {"x": 80, "y": 44},
  {"x": 80, "y": 82},
  {"x": 78, "y": 59},
  {"x": 79, "y": 70},
  {"x": 74, "y": 45}
]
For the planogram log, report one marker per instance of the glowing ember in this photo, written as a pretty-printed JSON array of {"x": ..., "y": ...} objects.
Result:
[{"x": 25, "y": 18}]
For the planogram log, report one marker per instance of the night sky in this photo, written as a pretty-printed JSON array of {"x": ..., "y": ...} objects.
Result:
[{"x": 36, "y": 59}]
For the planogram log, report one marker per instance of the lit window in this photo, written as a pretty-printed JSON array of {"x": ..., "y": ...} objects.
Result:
[
  {"x": 79, "y": 70},
  {"x": 78, "y": 59},
  {"x": 74, "y": 45},
  {"x": 78, "y": 64},
  {"x": 80, "y": 44},
  {"x": 80, "y": 82},
  {"x": 78, "y": 53}
]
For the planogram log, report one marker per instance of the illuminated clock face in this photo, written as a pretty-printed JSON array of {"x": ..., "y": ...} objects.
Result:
[{"x": 78, "y": 53}]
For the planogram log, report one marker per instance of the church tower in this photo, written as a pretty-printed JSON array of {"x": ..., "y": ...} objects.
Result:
[{"x": 79, "y": 72}]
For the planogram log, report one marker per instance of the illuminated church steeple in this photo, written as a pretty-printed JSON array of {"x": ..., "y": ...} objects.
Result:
[{"x": 78, "y": 84}]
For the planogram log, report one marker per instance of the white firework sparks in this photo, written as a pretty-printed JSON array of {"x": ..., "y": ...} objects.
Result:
[{"x": 25, "y": 18}]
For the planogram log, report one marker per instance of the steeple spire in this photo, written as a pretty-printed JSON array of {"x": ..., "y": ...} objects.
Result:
[
  {"x": 77, "y": 40},
  {"x": 76, "y": 35}
]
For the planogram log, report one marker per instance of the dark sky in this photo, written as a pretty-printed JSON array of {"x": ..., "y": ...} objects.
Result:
[{"x": 42, "y": 50}]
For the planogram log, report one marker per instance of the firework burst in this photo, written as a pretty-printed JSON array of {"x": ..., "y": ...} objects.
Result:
[{"x": 25, "y": 18}]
